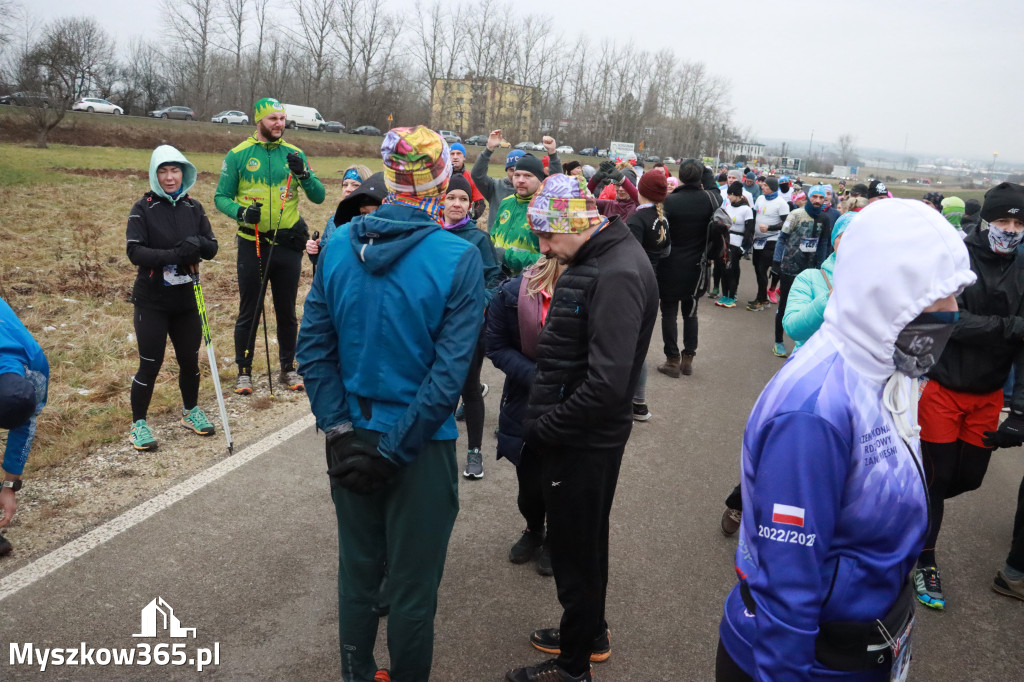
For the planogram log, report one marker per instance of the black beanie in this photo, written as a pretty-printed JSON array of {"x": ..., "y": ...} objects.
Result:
[
  {"x": 722, "y": 177},
  {"x": 531, "y": 164},
  {"x": 1005, "y": 200},
  {"x": 736, "y": 189},
  {"x": 459, "y": 181},
  {"x": 971, "y": 206},
  {"x": 773, "y": 183},
  {"x": 569, "y": 166}
]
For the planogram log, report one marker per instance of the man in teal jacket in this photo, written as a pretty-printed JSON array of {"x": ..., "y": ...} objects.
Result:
[{"x": 387, "y": 336}]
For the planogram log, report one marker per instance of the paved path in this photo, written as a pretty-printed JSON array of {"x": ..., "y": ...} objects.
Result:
[{"x": 249, "y": 559}]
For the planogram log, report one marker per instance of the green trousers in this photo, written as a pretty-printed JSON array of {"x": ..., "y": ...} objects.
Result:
[{"x": 407, "y": 525}]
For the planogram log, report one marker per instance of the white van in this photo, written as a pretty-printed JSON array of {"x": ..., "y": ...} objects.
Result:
[{"x": 303, "y": 117}]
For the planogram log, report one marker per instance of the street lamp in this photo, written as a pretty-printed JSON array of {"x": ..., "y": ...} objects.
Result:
[{"x": 993, "y": 167}]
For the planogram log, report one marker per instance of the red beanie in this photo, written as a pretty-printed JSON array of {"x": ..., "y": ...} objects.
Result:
[{"x": 653, "y": 187}]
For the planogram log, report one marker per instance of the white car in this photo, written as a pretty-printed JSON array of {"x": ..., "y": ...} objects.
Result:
[
  {"x": 95, "y": 104},
  {"x": 238, "y": 117},
  {"x": 565, "y": 149}
]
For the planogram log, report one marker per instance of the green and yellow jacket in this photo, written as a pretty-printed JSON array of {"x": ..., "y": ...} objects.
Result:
[
  {"x": 511, "y": 232},
  {"x": 258, "y": 171}
]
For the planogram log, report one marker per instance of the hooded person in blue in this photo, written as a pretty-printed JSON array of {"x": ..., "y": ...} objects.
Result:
[
  {"x": 388, "y": 333},
  {"x": 168, "y": 234},
  {"x": 24, "y": 379},
  {"x": 834, "y": 502}
]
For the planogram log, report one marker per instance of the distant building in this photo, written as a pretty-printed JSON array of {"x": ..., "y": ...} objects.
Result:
[
  {"x": 475, "y": 106},
  {"x": 735, "y": 148}
]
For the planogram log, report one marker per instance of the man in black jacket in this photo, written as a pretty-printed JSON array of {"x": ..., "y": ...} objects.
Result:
[
  {"x": 960, "y": 404},
  {"x": 580, "y": 413}
]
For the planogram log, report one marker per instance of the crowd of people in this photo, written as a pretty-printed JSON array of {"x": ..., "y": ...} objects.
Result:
[{"x": 906, "y": 339}]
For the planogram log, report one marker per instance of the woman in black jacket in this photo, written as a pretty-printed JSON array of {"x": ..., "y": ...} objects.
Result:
[
  {"x": 688, "y": 209},
  {"x": 168, "y": 233}
]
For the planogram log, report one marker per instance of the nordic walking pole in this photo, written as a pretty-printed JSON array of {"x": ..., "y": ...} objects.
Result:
[
  {"x": 260, "y": 312},
  {"x": 214, "y": 370}
]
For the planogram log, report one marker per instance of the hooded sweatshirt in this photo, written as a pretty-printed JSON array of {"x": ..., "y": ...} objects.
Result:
[
  {"x": 389, "y": 328},
  {"x": 834, "y": 501},
  {"x": 157, "y": 224}
]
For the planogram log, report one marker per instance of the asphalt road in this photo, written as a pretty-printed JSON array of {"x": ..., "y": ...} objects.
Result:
[{"x": 250, "y": 559}]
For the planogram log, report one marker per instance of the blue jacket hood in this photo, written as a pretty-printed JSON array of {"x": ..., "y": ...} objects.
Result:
[{"x": 381, "y": 238}]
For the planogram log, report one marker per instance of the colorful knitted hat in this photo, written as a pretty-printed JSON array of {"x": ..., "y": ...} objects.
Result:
[
  {"x": 266, "y": 106},
  {"x": 563, "y": 204},
  {"x": 417, "y": 162}
]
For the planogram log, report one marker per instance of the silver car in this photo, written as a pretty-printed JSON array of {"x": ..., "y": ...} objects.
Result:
[{"x": 236, "y": 117}]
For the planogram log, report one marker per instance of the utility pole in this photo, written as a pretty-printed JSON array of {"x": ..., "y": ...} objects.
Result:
[{"x": 810, "y": 144}]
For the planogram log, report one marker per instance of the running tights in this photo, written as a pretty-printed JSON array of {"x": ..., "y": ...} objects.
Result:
[{"x": 152, "y": 327}]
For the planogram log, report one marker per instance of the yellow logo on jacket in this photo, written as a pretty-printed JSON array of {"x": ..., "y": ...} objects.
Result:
[
  {"x": 252, "y": 165},
  {"x": 505, "y": 215}
]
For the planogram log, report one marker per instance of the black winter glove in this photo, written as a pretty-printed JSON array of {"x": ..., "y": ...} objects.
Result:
[
  {"x": 207, "y": 247},
  {"x": 478, "y": 209},
  {"x": 357, "y": 465},
  {"x": 250, "y": 214},
  {"x": 1010, "y": 433},
  {"x": 297, "y": 166},
  {"x": 187, "y": 251},
  {"x": 617, "y": 177},
  {"x": 607, "y": 167}
]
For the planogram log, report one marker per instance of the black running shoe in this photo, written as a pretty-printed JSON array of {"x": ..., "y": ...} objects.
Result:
[
  {"x": 548, "y": 671},
  {"x": 5, "y": 546},
  {"x": 549, "y": 641},
  {"x": 526, "y": 547}
]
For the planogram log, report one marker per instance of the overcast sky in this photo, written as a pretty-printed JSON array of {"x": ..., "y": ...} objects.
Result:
[{"x": 941, "y": 76}]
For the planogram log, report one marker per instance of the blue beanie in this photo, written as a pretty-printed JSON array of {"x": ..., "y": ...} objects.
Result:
[
  {"x": 841, "y": 225},
  {"x": 512, "y": 157},
  {"x": 457, "y": 147},
  {"x": 817, "y": 189}
]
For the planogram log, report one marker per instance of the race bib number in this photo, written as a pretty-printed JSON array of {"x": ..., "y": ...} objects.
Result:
[
  {"x": 759, "y": 242},
  {"x": 809, "y": 244},
  {"x": 173, "y": 278}
]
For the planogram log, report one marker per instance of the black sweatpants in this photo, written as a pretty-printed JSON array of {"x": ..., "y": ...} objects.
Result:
[
  {"x": 579, "y": 486},
  {"x": 762, "y": 264},
  {"x": 152, "y": 327},
  {"x": 950, "y": 469},
  {"x": 1016, "y": 556},
  {"x": 785, "y": 284},
  {"x": 284, "y": 269},
  {"x": 530, "y": 476},
  {"x": 670, "y": 332},
  {"x": 731, "y": 281},
  {"x": 472, "y": 401}
]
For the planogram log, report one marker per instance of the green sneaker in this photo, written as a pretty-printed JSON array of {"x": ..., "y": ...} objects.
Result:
[
  {"x": 141, "y": 437},
  {"x": 196, "y": 420}
]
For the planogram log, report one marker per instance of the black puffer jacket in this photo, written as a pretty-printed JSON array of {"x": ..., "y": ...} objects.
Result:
[
  {"x": 688, "y": 209},
  {"x": 593, "y": 345},
  {"x": 990, "y": 332}
]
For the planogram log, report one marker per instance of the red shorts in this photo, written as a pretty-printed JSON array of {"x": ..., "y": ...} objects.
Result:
[{"x": 946, "y": 415}]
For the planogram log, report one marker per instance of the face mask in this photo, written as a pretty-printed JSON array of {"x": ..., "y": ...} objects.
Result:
[
  {"x": 784, "y": 186},
  {"x": 921, "y": 342},
  {"x": 1001, "y": 241}
]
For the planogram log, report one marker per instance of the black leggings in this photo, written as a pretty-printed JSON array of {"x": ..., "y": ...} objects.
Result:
[
  {"x": 152, "y": 327},
  {"x": 731, "y": 281},
  {"x": 718, "y": 272},
  {"x": 950, "y": 469},
  {"x": 284, "y": 269},
  {"x": 785, "y": 284},
  {"x": 762, "y": 263},
  {"x": 472, "y": 401}
]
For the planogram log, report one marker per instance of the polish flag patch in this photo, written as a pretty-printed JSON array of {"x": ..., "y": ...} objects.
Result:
[{"x": 792, "y": 516}]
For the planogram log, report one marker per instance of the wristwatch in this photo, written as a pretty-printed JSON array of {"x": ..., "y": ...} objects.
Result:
[{"x": 13, "y": 485}]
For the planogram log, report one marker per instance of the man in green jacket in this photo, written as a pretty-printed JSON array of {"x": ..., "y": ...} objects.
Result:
[
  {"x": 510, "y": 231},
  {"x": 254, "y": 190}
]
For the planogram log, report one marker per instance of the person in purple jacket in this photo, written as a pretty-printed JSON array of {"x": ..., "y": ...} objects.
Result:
[{"x": 834, "y": 500}]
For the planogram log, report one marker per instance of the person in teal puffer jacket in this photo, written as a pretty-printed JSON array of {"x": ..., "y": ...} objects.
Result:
[{"x": 805, "y": 308}]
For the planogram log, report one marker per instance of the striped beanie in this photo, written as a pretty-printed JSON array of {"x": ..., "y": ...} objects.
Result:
[{"x": 563, "y": 204}]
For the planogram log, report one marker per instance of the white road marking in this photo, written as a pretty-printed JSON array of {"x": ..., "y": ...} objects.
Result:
[{"x": 43, "y": 566}]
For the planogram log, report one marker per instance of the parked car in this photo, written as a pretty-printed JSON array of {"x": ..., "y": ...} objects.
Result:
[
  {"x": 303, "y": 117},
  {"x": 602, "y": 152},
  {"x": 477, "y": 140},
  {"x": 233, "y": 116},
  {"x": 565, "y": 149},
  {"x": 450, "y": 136},
  {"x": 28, "y": 99},
  {"x": 671, "y": 159},
  {"x": 588, "y": 151},
  {"x": 183, "y": 113},
  {"x": 367, "y": 130},
  {"x": 526, "y": 146},
  {"x": 652, "y": 159},
  {"x": 95, "y": 104},
  {"x": 334, "y": 127}
]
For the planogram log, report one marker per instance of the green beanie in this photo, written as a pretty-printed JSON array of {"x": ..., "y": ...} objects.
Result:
[
  {"x": 953, "y": 210},
  {"x": 265, "y": 106}
]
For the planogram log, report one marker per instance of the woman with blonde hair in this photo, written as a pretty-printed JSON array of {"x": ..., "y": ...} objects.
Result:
[{"x": 516, "y": 315}]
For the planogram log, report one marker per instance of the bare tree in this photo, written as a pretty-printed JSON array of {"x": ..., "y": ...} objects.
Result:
[
  {"x": 193, "y": 23},
  {"x": 236, "y": 15},
  {"x": 316, "y": 25},
  {"x": 143, "y": 83},
  {"x": 847, "y": 152}
]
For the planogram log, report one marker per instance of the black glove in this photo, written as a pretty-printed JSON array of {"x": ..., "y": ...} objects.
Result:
[
  {"x": 357, "y": 465},
  {"x": 617, "y": 177},
  {"x": 250, "y": 214},
  {"x": 1010, "y": 433},
  {"x": 478, "y": 209},
  {"x": 187, "y": 251},
  {"x": 607, "y": 167},
  {"x": 297, "y": 166}
]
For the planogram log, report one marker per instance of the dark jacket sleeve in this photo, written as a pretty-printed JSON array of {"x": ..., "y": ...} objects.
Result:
[
  {"x": 137, "y": 237},
  {"x": 492, "y": 271},
  {"x": 631, "y": 190},
  {"x": 501, "y": 336},
  {"x": 554, "y": 164},
  {"x": 208, "y": 245},
  {"x": 478, "y": 174},
  {"x": 615, "y": 311}
]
